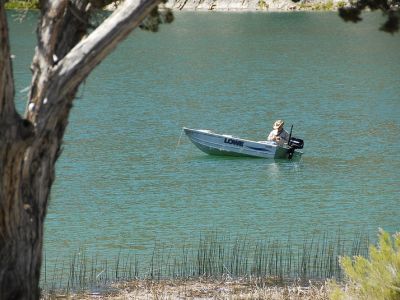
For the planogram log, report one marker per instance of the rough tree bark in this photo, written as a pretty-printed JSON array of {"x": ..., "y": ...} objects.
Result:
[{"x": 30, "y": 145}]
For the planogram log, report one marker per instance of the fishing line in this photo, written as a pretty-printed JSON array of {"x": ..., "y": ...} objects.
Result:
[{"x": 179, "y": 140}]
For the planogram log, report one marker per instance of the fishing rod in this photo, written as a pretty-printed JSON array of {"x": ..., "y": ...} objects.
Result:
[
  {"x": 291, "y": 149},
  {"x": 290, "y": 134}
]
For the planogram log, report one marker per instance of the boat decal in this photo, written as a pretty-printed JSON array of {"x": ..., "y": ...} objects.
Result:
[{"x": 233, "y": 142}]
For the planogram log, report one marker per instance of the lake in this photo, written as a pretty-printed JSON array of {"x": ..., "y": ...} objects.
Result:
[{"x": 128, "y": 179}]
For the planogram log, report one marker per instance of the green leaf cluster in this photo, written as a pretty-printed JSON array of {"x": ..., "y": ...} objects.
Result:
[
  {"x": 262, "y": 5},
  {"x": 320, "y": 6},
  {"x": 389, "y": 8},
  {"x": 375, "y": 278},
  {"x": 17, "y": 4}
]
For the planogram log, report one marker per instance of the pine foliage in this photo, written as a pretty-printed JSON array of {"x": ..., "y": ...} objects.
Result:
[
  {"x": 375, "y": 278},
  {"x": 389, "y": 8}
]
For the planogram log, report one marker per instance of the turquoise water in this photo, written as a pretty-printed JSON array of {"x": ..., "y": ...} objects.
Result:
[{"x": 128, "y": 179}]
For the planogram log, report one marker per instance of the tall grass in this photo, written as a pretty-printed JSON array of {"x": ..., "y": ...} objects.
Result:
[{"x": 215, "y": 256}]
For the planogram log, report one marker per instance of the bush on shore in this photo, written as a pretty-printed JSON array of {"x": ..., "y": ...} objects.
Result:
[{"x": 375, "y": 278}]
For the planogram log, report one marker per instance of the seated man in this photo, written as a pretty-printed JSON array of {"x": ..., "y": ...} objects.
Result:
[{"x": 279, "y": 135}]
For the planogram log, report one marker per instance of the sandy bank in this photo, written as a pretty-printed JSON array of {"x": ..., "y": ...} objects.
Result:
[{"x": 206, "y": 289}]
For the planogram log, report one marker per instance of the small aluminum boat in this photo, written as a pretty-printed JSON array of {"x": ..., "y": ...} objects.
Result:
[{"x": 223, "y": 144}]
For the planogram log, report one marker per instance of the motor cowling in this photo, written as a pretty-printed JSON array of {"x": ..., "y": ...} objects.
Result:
[{"x": 296, "y": 143}]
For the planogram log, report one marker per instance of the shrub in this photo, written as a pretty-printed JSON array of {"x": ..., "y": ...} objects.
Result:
[
  {"x": 375, "y": 278},
  {"x": 16, "y": 4},
  {"x": 328, "y": 5},
  {"x": 262, "y": 5},
  {"x": 341, "y": 4}
]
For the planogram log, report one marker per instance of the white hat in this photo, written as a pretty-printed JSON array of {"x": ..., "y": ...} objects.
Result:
[{"x": 278, "y": 124}]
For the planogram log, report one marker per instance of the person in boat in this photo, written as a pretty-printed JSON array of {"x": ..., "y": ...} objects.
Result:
[{"x": 278, "y": 134}]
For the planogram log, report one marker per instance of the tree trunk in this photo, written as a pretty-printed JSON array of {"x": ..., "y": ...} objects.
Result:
[{"x": 30, "y": 146}]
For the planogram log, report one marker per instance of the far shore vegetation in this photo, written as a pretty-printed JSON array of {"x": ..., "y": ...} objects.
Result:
[{"x": 328, "y": 5}]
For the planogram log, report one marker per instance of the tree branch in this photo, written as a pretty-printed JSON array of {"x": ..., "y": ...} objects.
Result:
[
  {"x": 51, "y": 23},
  {"x": 59, "y": 31},
  {"x": 83, "y": 58},
  {"x": 71, "y": 70},
  {"x": 76, "y": 24}
]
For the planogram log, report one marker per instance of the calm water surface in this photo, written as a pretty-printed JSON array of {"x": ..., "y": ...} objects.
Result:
[{"x": 126, "y": 179}]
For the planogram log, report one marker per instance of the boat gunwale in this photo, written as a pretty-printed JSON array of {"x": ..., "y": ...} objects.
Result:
[{"x": 211, "y": 133}]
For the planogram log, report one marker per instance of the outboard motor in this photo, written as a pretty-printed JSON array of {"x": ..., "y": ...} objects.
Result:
[{"x": 294, "y": 143}]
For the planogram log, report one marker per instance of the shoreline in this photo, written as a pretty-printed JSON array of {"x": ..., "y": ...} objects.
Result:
[
  {"x": 235, "y": 6},
  {"x": 226, "y": 6},
  {"x": 204, "y": 288}
]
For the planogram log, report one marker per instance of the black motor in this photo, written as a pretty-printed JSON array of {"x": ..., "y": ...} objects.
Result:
[
  {"x": 296, "y": 143},
  {"x": 293, "y": 143}
]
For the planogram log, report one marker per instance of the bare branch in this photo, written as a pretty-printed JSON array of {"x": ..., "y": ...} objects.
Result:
[
  {"x": 76, "y": 25},
  {"x": 91, "y": 51},
  {"x": 50, "y": 23},
  {"x": 59, "y": 31},
  {"x": 69, "y": 72}
]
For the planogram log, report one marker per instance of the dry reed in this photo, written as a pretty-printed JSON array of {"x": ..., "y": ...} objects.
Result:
[{"x": 216, "y": 258}]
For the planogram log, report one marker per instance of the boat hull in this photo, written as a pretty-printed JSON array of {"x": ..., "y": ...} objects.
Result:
[{"x": 227, "y": 145}]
